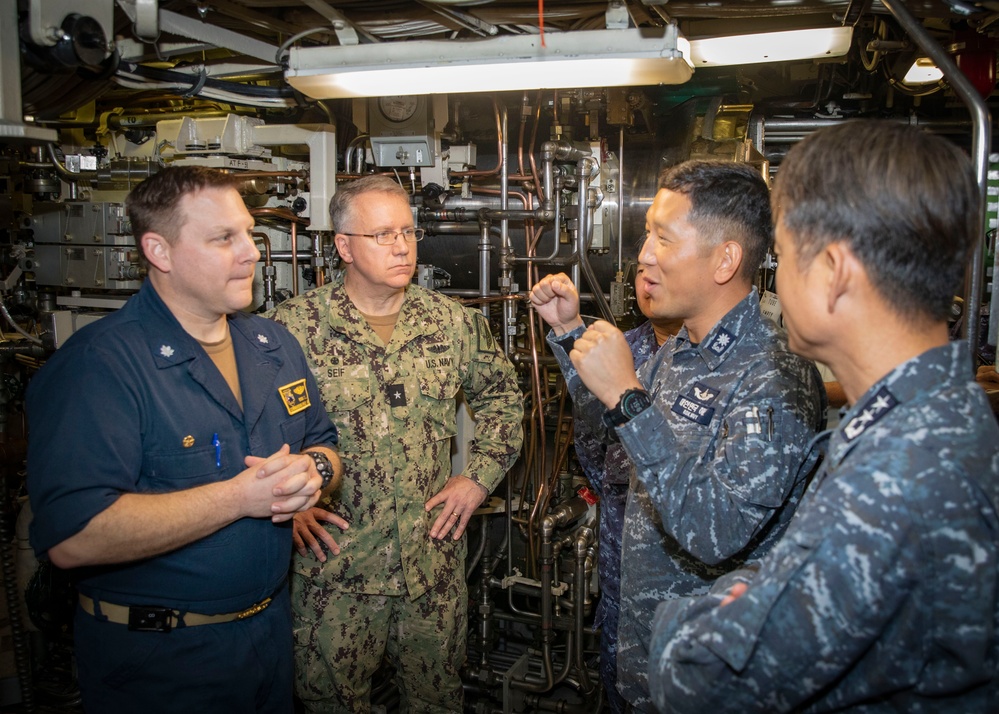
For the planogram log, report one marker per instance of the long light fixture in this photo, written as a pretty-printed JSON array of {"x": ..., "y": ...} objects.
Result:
[
  {"x": 588, "y": 58},
  {"x": 782, "y": 46}
]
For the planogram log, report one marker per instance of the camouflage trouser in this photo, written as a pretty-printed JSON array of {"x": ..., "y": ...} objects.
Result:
[{"x": 340, "y": 639}]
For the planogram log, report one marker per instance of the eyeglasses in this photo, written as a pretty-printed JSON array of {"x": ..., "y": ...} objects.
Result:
[{"x": 411, "y": 235}]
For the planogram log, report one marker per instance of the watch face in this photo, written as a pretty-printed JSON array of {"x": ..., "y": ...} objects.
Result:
[
  {"x": 634, "y": 403},
  {"x": 398, "y": 108}
]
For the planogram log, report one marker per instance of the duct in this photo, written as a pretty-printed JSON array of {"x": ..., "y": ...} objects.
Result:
[
  {"x": 321, "y": 140},
  {"x": 215, "y": 36}
]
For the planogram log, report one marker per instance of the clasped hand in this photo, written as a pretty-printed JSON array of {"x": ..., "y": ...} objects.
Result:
[{"x": 279, "y": 485}]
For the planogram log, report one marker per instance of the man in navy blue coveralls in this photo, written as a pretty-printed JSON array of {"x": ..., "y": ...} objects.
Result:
[{"x": 165, "y": 466}]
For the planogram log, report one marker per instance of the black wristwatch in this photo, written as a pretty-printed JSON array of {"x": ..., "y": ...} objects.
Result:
[
  {"x": 323, "y": 466},
  {"x": 633, "y": 402}
]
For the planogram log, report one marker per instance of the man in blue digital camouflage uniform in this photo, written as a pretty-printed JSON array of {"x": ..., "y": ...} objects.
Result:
[
  {"x": 164, "y": 465},
  {"x": 606, "y": 467},
  {"x": 390, "y": 358},
  {"x": 884, "y": 593},
  {"x": 717, "y": 424}
]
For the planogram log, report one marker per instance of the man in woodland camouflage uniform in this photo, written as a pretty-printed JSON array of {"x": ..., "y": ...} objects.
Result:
[
  {"x": 716, "y": 424},
  {"x": 390, "y": 358},
  {"x": 883, "y": 594}
]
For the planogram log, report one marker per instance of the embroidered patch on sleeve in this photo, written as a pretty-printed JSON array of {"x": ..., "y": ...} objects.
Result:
[{"x": 484, "y": 335}]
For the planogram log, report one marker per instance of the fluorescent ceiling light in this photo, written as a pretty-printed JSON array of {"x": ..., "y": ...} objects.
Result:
[
  {"x": 590, "y": 58},
  {"x": 923, "y": 71},
  {"x": 771, "y": 47}
]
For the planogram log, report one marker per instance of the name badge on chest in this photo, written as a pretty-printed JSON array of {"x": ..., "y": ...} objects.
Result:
[{"x": 691, "y": 410}]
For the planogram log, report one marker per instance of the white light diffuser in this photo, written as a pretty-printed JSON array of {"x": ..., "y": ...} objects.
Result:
[
  {"x": 590, "y": 58},
  {"x": 923, "y": 71},
  {"x": 771, "y": 47}
]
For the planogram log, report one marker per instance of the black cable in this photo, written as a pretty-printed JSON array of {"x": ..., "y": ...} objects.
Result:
[
  {"x": 166, "y": 75},
  {"x": 22, "y": 656}
]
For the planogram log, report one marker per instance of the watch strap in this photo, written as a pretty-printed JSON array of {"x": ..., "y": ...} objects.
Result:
[
  {"x": 323, "y": 466},
  {"x": 632, "y": 403}
]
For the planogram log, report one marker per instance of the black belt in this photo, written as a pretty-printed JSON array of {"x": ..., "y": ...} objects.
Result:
[{"x": 150, "y": 618}]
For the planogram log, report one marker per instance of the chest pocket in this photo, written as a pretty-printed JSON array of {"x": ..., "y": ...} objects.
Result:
[
  {"x": 181, "y": 469},
  {"x": 293, "y": 432},
  {"x": 438, "y": 393},
  {"x": 349, "y": 404}
]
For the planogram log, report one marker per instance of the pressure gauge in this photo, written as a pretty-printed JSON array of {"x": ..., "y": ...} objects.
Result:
[{"x": 398, "y": 108}]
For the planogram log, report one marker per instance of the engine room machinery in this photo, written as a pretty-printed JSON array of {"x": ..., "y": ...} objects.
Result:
[{"x": 509, "y": 186}]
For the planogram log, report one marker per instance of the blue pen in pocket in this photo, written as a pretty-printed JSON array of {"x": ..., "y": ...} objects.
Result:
[{"x": 218, "y": 450}]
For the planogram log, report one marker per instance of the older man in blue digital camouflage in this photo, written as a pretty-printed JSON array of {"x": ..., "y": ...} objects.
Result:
[{"x": 883, "y": 594}]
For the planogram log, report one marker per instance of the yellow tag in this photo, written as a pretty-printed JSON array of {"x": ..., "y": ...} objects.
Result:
[
  {"x": 188, "y": 441},
  {"x": 295, "y": 396}
]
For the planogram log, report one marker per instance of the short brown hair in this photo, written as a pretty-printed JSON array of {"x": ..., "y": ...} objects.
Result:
[{"x": 153, "y": 205}]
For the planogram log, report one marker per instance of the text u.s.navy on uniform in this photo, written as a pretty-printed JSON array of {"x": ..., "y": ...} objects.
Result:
[{"x": 390, "y": 358}]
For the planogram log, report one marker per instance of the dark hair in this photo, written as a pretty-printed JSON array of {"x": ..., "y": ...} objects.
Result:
[
  {"x": 728, "y": 201},
  {"x": 153, "y": 205},
  {"x": 341, "y": 205},
  {"x": 904, "y": 201}
]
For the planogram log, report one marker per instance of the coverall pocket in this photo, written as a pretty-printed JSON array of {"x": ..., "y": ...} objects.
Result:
[
  {"x": 437, "y": 393},
  {"x": 184, "y": 468}
]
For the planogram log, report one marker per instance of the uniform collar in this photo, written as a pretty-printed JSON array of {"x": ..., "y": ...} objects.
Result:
[
  {"x": 936, "y": 368},
  {"x": 721, "y": 339},
  {"x": 345, "y": 318},
  {"x": 171, "y": 345}
]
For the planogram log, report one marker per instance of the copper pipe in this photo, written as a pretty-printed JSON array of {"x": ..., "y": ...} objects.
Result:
[
  {"x": 510, "y": 194},
  {"x": 294, "y": 258},
  {"x": 284, "y": 213},
  {"x": 499, "y": 152},
  {"x": 266, "y": 240},
  {"x": 273, "y": 174}
]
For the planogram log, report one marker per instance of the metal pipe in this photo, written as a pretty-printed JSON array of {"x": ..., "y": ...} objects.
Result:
[
  {"x": 268, "y": 271},
  {"x": 294, "y": 258},
  {"x": 797, "y": 126},
  {"x": 65, "y": 173},
  {"x": 485, "y": 601},
  {"x": 620, "y": 200},
  {"x": 980, "y": 140},
  {"x": 349, "y": 154},
  {"x": 506, "y": 273},
  {"x": 17, "y": 328},
  {"x": 584, "y": 539},
  {"x": 583, "y": 237},
  {"x": 485, "y": 247},
  {"x": 551, "y": 258},
  {"x": 284, "y": 256},
  {"x": 319, "y": 259}
]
